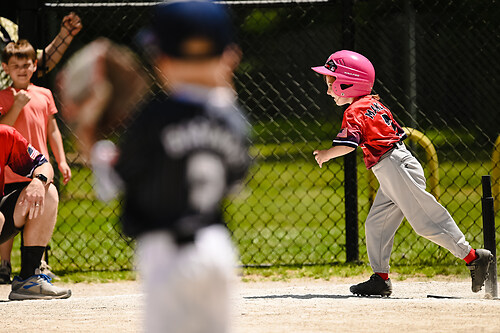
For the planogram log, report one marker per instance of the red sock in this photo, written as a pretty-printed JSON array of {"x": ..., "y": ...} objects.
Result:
[
  {"x": 384, "y": 276},
  {"x": 471, "y": 256}
]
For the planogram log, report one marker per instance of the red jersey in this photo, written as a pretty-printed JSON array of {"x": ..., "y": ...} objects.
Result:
[
  {"x": 18, "y": 154},
  {"x": 369, "y": 124}
]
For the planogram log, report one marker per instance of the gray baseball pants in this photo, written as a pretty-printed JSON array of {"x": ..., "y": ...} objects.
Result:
[{"x": 402, "y": 194}]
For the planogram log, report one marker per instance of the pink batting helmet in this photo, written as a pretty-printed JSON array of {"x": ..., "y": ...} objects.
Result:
[{"x": 354, "y": 74}]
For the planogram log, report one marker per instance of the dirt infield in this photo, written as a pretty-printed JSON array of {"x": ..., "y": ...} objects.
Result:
[
  {"x": 105, "y": 307},
  {"x": 293, "y": 306}
]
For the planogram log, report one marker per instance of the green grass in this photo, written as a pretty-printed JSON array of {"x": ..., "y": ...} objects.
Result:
[
  {"x": 97, "y": 276},
  {"x": 328, "y": 272},
  {"x": 287, "y": 273}
]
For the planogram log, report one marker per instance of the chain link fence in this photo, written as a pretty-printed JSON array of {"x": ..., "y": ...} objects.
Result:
[{"x": 436, "y": 69}]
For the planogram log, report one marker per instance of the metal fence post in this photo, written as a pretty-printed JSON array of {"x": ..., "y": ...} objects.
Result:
[
  {"x": 351, "y": 207},
  {"x": 350, "y": 163},
  {"x": 411, "y": 68},
  {"x": 491, "y": 286}
]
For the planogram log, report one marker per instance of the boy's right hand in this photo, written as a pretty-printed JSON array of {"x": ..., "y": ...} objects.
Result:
[{"x": 21, "y": 97}]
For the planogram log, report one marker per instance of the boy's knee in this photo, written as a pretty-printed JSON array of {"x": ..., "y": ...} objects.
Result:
[
  {"x": 426, "y": 231},
  {"x": 52, "y": 196},
  {"x": 2, "y": 221}
]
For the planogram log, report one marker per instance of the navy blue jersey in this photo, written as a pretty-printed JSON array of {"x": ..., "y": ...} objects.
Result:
[{"x": 179, "y": 159}]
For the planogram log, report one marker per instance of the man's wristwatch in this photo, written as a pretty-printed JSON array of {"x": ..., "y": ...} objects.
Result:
[{"x": 42, "y": 177}]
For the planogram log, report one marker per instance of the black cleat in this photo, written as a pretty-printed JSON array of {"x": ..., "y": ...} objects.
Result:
[
  {"x": 479, "y": 268},
  {"x": 375, "y": 286}
]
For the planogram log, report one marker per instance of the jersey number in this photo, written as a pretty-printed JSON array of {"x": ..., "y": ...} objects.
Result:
[
  {"x": 389, "y": 122},
  {"x": 206, "y": 178}
]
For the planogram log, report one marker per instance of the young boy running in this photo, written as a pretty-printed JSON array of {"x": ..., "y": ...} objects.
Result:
[{"x": 369, "y": 124}]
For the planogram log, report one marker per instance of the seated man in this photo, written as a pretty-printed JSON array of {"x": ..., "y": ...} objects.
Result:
[{"x": 32, "y": 210}]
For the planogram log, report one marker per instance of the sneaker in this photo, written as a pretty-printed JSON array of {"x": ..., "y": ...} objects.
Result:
[
  {"x": 375, "y": 286},
  {"x": 479, "y": 268},
  {"x": 46, "y": 269},
  {"x": 5, "y": 271},
  {"x": 37, "y": 286}
]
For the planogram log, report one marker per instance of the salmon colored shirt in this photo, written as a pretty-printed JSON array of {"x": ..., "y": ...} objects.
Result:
[{"x": 32, "y": 121}]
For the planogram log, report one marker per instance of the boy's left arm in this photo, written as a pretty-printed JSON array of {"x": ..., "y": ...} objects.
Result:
[{"x": 56, "y": 144}]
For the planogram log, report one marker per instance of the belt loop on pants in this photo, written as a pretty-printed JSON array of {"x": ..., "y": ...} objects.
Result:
[
  {"x": 387, "y": 153},
  {"x": 399, "y": 144}
]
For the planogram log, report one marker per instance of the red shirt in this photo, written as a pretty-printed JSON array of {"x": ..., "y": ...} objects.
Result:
[
  {"x": 369, "y": 124},
  {"x": 17, "y": 153}
]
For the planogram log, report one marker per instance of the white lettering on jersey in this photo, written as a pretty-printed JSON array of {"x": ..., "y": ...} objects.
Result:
[{"x": 178, "y": 140}]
